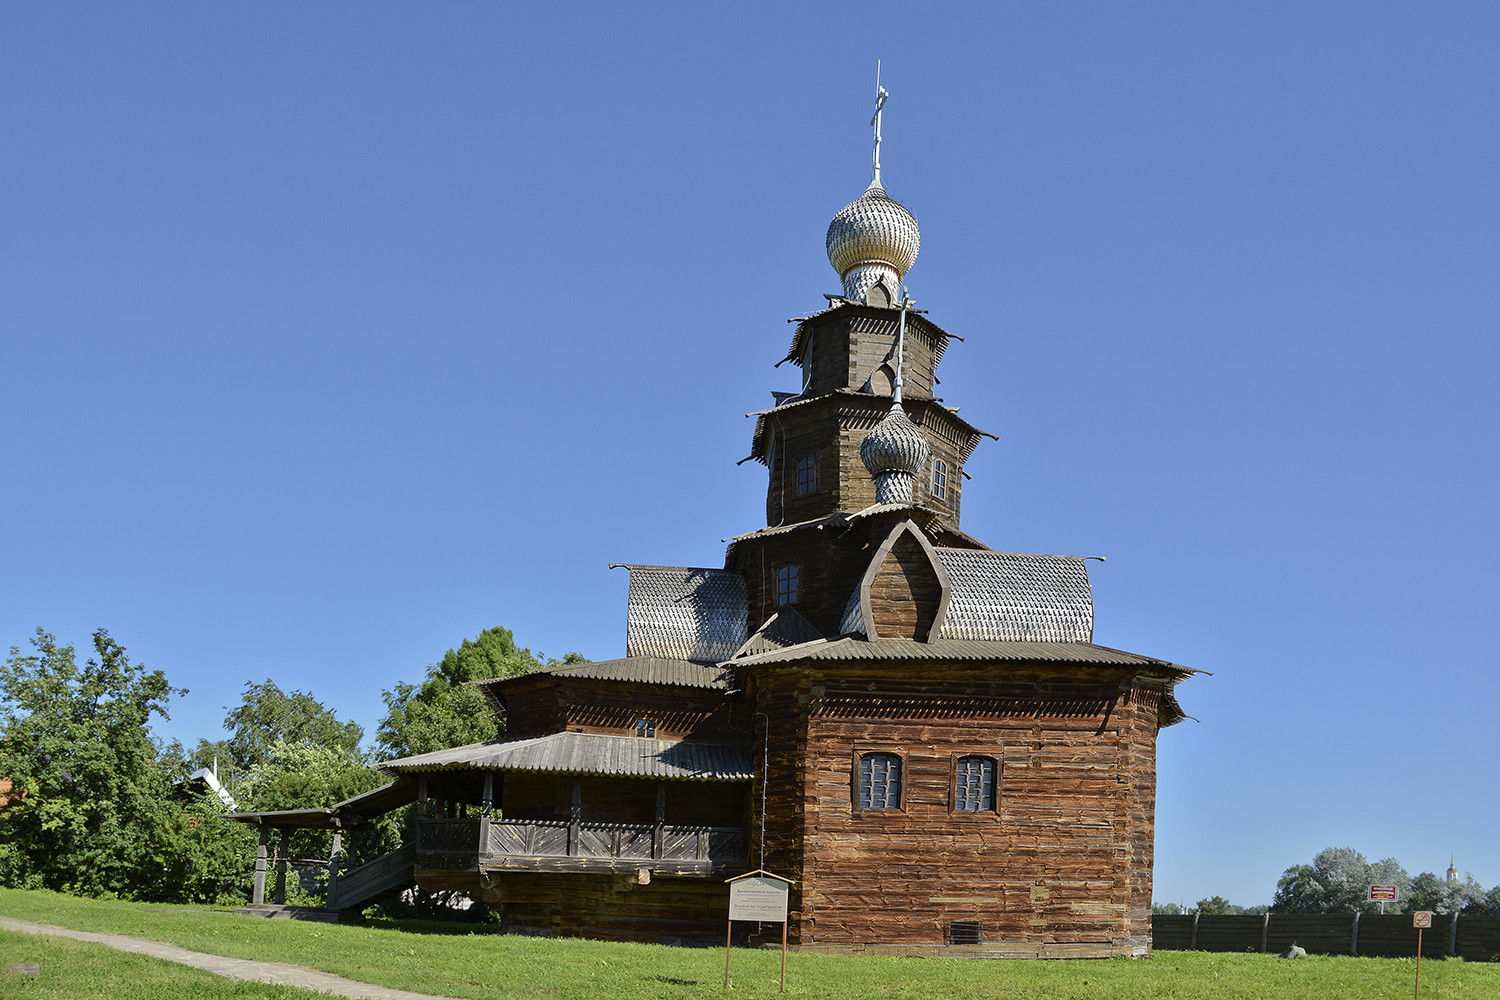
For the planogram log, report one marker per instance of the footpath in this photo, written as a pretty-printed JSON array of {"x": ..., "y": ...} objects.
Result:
[{"x": 233, "y": 968}]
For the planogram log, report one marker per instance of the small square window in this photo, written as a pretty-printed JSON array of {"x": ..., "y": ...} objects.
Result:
[
  {"x": 974, "y": 785},
  {"x": 939, "y": 478},
  {"x": 879, "y": 781},
  {"x": 786, "y": 585},
  {"x": 645, "y": 727},
  {"x": 963, "y": 932},
  {"x": 807, "y": 474}
]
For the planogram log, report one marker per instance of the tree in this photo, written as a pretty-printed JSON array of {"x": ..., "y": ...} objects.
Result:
[
  {"x": 1337, "y": 881},
  {"x": 268, "y": 717},
  {"x": 446, "y": 710},
  {"x": 1216, "y": 906},
  {"x": 91, "y": 809}
]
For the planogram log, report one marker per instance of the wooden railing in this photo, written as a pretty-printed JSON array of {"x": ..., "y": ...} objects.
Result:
[{"x": 456, "y": 843}]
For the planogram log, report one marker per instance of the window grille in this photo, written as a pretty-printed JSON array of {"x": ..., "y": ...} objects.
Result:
[
  {"x": 880, "y": 781},
  {"x": 645, "y": 727},
  {"x": 786, "y": 585},
  {"x": 939, "y": 478},
  {"x": 974, "y": 784},
  {"x": 963, "y": 932},
  {"x": 807, "y": 474}
]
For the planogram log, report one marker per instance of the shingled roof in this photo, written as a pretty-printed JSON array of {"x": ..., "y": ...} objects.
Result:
[
  {"x": 1010, "y": 596},
  {"x": 590, "y": 753},
  {"x": 682, "y": 613}
]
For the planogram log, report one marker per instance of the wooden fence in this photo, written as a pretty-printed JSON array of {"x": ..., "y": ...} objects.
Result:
[{"x": 1474, "y": 937}]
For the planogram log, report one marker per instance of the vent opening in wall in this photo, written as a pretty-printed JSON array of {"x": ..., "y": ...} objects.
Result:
[{"x": 963, "y": 932}]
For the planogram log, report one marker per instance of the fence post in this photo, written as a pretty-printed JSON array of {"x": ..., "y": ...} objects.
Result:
[
  {"x": 1194, "y": 945},
  {"x": 1354, "y": 936},
  {"x": 1453, "y": 935},
  {"x": 1265, "y": 930}
]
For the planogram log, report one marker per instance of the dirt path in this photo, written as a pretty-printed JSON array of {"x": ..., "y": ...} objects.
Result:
[{"x": 233, "y": 968}]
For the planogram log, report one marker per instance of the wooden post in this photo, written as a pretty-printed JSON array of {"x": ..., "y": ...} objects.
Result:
[
  {"x": 1354, "y": 936},
  {"x": 783, "y": 954},
  {"x": 334, "y": 857},
  {"x": 258, "y": 893},
  {"x": 422, "y": 798},
  {"x": 281, "y": 858},
  {"x": 575, "y": 817},
  {"x": 1418, "y": 991},
  {"x": 661, "y": 818},
  {"x": 1453, "y": 935},
  {"x": 728, "y": 943},
  {"x": 485, "y": 806},
  {"x": 1265, "y": 930}
]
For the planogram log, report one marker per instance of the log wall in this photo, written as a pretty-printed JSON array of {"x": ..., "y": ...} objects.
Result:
[
  {"x": 556, "y": 703},
  {"x": 682, "y": 911},
  {"x": 1061, "y": 866}
]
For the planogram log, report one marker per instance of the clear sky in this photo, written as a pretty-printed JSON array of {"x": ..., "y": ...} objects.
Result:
[{"x": 331, "y": 334}]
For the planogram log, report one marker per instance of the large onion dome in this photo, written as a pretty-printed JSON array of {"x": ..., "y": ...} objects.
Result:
[
  {"x": 894, "y": 452},
  {"x": 873, "y": 239}
]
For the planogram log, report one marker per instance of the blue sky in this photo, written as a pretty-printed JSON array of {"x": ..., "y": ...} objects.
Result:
[{"x": 332, "y": 334}]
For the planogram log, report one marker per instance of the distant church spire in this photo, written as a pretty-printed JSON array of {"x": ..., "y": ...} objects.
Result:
[{"x": 1452, "y": 870}]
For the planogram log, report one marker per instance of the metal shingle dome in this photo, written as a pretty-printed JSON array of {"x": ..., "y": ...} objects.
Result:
[
  {"x": 873, "y": 229},
  {"x": 894, "y": 452}
]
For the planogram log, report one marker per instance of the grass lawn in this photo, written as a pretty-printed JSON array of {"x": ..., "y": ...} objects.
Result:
[
  {"x": 77, "y": 970},
  {"x": 448, "y": 960}
]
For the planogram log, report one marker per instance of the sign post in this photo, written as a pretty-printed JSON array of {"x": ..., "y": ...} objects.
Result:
[
  {"x": 757, "y": 895},
  {"x": 1383, "y": 894},
  {"x": 1421, "y": 920}
]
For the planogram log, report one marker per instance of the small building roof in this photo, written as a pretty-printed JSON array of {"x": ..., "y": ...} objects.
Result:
[
  {"x": 590, "y": 753},
  {"x": 1017, "y": 597},
  {"x": 965, "y": 650},
  {"x": 351, "y": 812}
]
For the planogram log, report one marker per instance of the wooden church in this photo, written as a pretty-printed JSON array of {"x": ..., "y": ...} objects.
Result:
[{"x": 913, "y": 727}]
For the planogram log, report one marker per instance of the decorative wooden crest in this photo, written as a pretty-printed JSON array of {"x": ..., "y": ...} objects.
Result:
[{"x": 905, "y": 591}]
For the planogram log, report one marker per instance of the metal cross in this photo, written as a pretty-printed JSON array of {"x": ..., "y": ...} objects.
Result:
[{"x": 880, "y": 96}]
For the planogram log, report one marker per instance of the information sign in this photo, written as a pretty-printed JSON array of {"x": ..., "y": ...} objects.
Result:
[
  {"x": 758, "y": 897},
  {"x": 1383, "y": 894},
  {"x": 1421, "y": 918}
]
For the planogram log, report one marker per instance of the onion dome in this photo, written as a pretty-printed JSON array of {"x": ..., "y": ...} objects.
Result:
[
  {"x": 894, "y": 452},
  {"x": 872, "y": 238}
]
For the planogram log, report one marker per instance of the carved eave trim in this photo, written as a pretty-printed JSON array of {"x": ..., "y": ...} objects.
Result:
[{"x": 945, "y": 588}]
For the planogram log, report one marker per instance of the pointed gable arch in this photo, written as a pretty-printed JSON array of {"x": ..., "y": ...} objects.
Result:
[{"x": 905, "y": 590}]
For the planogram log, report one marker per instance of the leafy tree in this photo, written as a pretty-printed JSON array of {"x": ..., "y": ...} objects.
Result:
[
  {"x": 1298, "y": 891},
  {"x": 1216, "y": 906},
  {"x": 1488, "y": 903},
  {"x": 91, "y": 808},
  {"x": 268, "y": 717},
  {"x": 1337, "y": 881},
  {"x": 446, "y": 710},
  {"x": 1165, "y": 909}
]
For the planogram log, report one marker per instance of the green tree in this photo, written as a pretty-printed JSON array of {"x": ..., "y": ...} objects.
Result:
[
  {"x": 1337, "y": 881},
  {"x": 1298, "y": 891},
  {"x": 268, "y": 717},
  {"x": 91, "y": 808},
  {"x": 1216, "y": 906},
  {"x": 445, "y": 709}
]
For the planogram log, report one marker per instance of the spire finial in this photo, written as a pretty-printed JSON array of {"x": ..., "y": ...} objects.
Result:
[
  {"x": 880, "y": 96},
  {"x": 900, "y": 351}
]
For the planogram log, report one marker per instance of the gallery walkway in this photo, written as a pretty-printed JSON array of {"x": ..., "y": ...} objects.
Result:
[{"x": 233, "y": 968}]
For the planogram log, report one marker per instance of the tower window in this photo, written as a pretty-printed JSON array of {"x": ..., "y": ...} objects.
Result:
[
  {"x": 645, "y": 727},
  {"x": 974, "y": 785},
  {"x": 807, "y": 474},
  {"x": 879, "y": 781},
  {"x": 786, "y": 585},
  {"x": 939, "y": 478}
]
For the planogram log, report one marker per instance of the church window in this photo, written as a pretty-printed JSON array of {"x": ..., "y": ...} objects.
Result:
[
  {"x": 645, "y": 727},
  {"x": 939, "y": 478},
  {"x": 787, "y": 585},
  {"x": 879, "y": 781},
  {"x": 974, "y": 785},
  {"x": 807, "y": 474}
]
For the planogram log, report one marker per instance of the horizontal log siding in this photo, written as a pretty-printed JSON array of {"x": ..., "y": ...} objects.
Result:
[
  {"x": 613, "y": 907},
  {"x": 1064, "y": 861}
]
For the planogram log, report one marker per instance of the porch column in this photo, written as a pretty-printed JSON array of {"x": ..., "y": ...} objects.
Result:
[
  {"x": 422, "y": 797},
  {"x": 258, "y": 892},
  {"x": 661, "y": 819},
  {"x": 281, "y": 859},
  {"x": 485, "y": 806},
  {"x": 334, "y": 858},
  {"x": 575, "y": 817}
]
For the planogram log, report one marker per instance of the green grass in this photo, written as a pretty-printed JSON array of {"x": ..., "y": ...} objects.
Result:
[
  {"x": 78, "y": 970},
  {"x": 483, "y": 966}
]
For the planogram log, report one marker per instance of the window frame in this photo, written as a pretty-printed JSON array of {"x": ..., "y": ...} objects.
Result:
[
  {"x": 998, "y": 775},
  {"x": 807, "y": 463},
  {"x": 939, "y": 484},
  {"x": 647, "y": 723},
  {"x": 788, "y": 584},
  {"x": 858, "y": 759}
]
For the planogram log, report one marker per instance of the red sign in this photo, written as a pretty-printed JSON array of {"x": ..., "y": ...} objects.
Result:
[
  {"x": 1383, "y": 894},
  {"x": 1421, "y": 919}
]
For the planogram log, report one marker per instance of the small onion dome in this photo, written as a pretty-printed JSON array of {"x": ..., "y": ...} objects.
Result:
[
  {"x": 873, "y": 231},
  {"x": 894, "y": 452}
]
